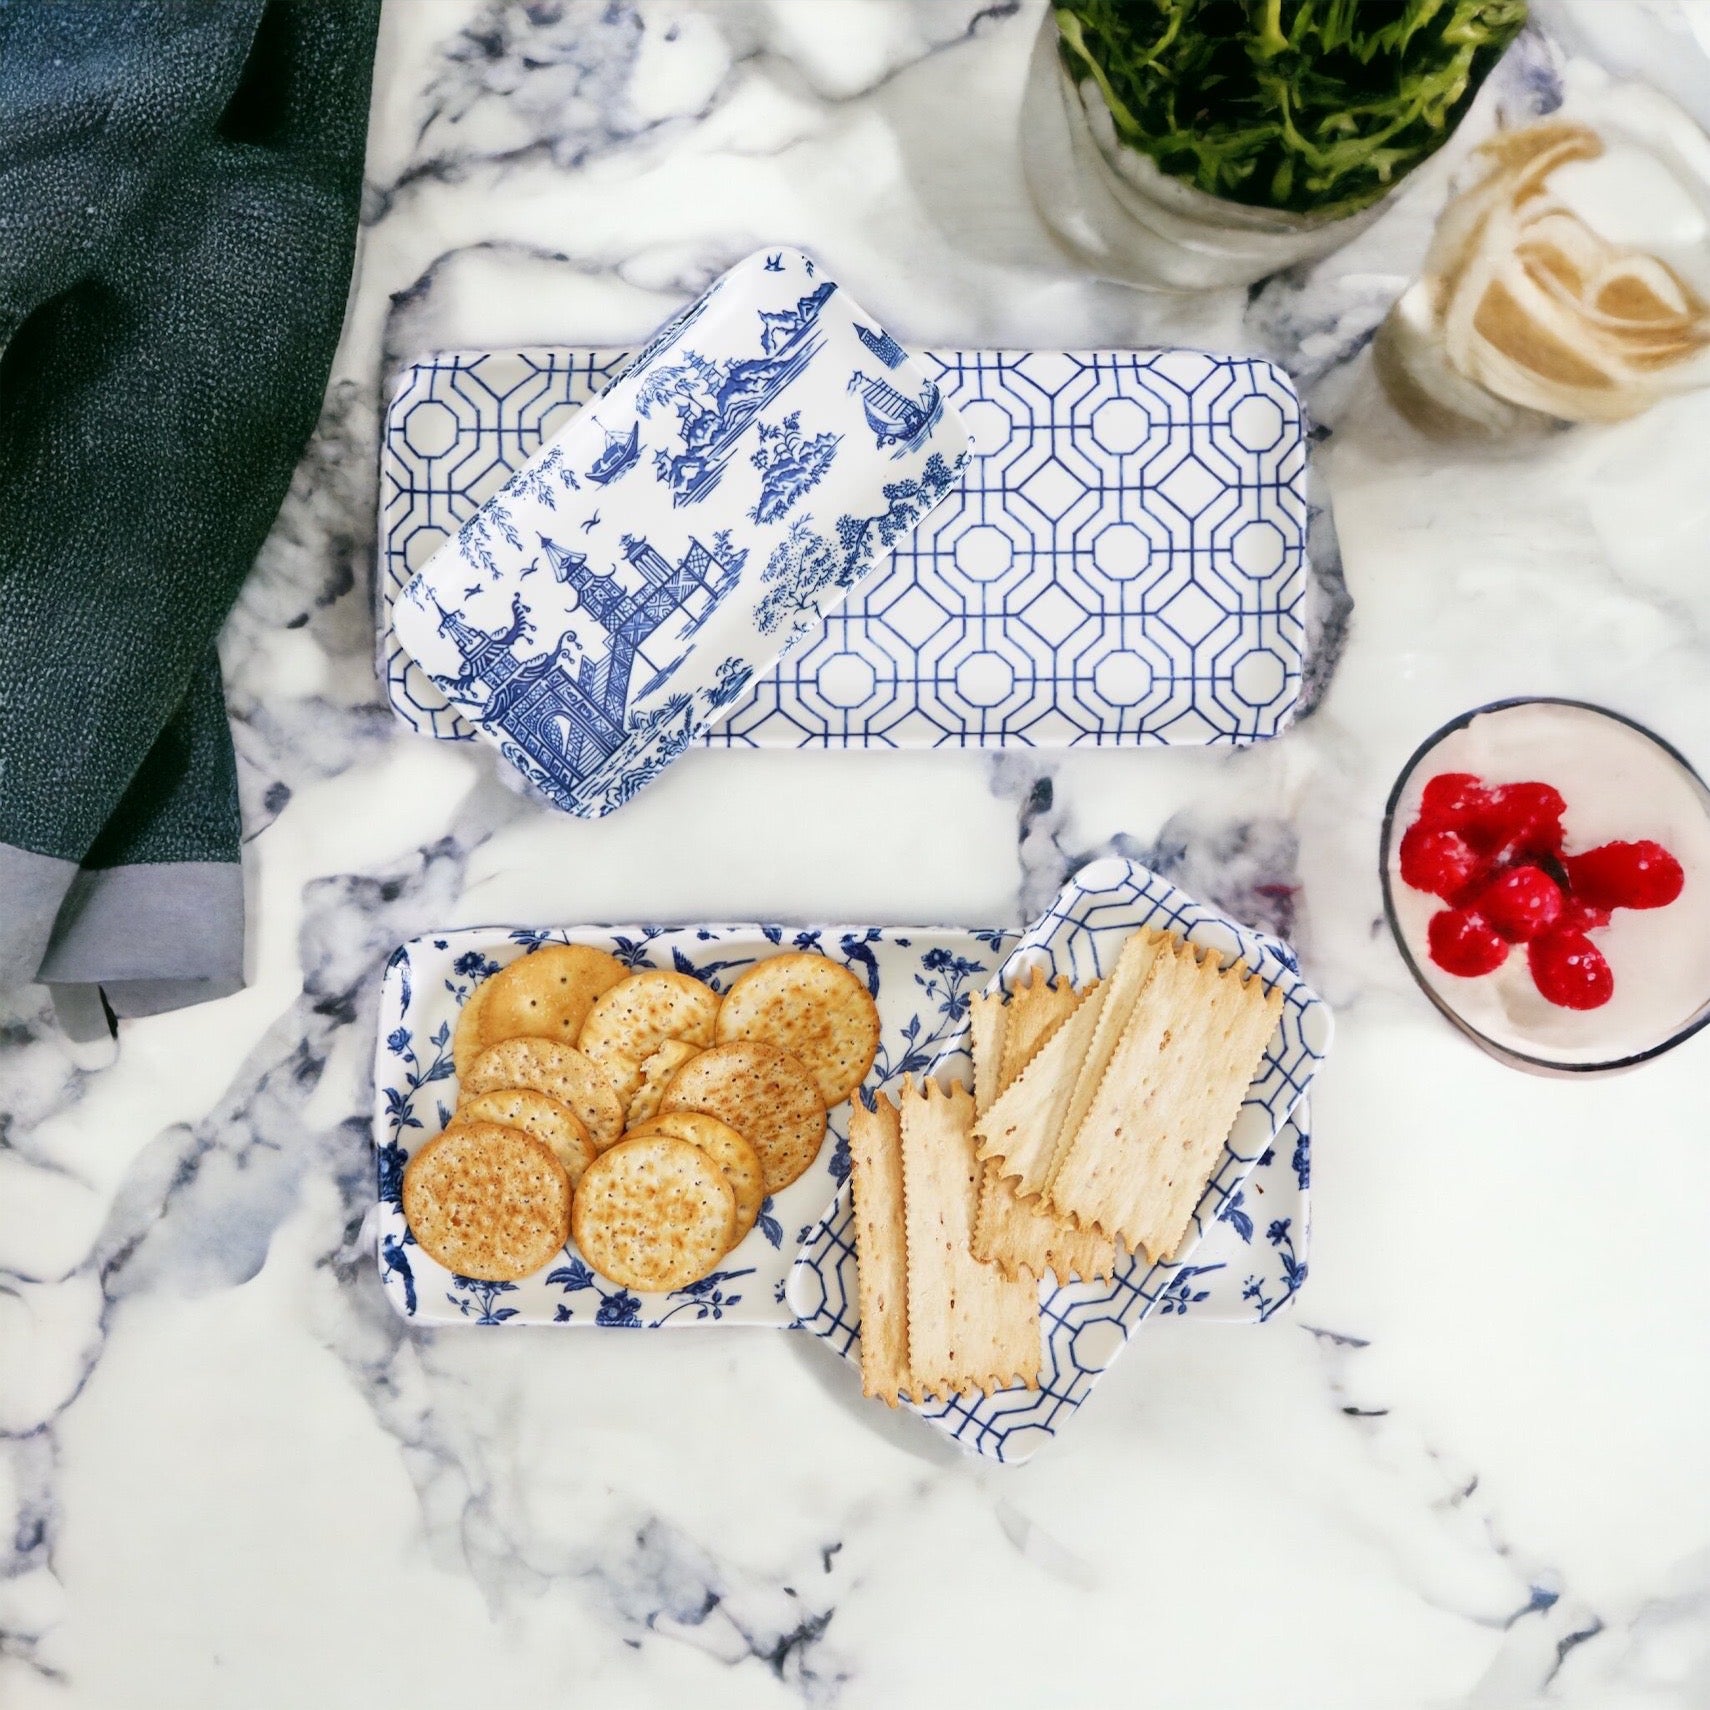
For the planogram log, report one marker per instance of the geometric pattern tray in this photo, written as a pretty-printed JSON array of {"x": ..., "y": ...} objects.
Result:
[
  {"x": 1122, "y": 564},
  {"x": 921, "y": 980},
  {"x": 1087, "y": 1325}
]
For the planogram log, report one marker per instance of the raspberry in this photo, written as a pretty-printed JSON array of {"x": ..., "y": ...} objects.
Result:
[
  {"x": 1451, "y": 798},
  {"x": 1626, "y": 875},
  {"x": 1438, "y": 860},
  {"x": 1521, "y": 903},
  {"x": 1465, "y": 945},
  {"x": 1579, "y": 916},
  {"x": 1519, "y": 819},
  {"x": 1569, "y": 971}
]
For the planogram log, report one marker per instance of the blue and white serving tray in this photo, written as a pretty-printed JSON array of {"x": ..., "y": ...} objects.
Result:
[
  {"x": 629, "y": 582},
  {"x": 1122, "y": 564},
  {"x": 922, "y": 980},
  {"x": 1087, "y": 1325}
]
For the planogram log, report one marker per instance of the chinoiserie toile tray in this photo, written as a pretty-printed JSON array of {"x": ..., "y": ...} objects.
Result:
[
  {"x": 684, "y": 535},
  {"x": 1087, "y": 1325},
  {"x": 1123, "y": 563},
  {"x": 921, "y": 979}
]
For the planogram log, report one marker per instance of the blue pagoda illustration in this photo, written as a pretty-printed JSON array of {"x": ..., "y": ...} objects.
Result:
[
  {"x": 895, "y": 418},
  {"x": 568, "y": 709},
  {"x": 882, "y": 345}
]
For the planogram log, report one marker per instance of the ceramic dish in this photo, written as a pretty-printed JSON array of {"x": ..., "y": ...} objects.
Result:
[
  {"x": 767, "y": 450},
  {"x": 1621, "y": 782},
  {"x": 921, "y": 980},
  {"x": 1124, "y": 562},
  {"x": 1087, "y": 1325}
]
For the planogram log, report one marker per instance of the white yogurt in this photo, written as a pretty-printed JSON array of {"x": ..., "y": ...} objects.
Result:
[{"x": 1620, "y": 787}]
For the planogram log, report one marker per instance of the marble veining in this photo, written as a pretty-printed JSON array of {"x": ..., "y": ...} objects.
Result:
[{"x": 1468, "y": 1470}]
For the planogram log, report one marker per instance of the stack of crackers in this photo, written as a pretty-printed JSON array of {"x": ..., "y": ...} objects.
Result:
[
  {"x": 637, "y": 1111},
  {"x": 1095, "y": 1121}
]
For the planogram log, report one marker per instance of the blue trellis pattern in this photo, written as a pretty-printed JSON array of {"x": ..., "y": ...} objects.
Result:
[
  {"x": 591, "y": 622},
  {"x": 920, "y": 981},
  {"x": 1088, "y": 1324},
  {"x": 1123, "y": 562}
]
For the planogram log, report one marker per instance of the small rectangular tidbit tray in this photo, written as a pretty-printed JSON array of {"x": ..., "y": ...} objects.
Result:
[
  {"x": 1249, "y": 1221},
  {"x": 1122, "y": 564}
]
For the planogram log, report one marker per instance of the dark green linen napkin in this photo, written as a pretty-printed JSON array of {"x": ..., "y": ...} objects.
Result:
[{"x": 179, "y": 188}]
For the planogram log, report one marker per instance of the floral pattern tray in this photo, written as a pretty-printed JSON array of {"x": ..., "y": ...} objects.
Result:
[
  {"x": 1123, "y": 563},
  {"x": 922, "y": 981},
  {"x": 1087, "y": 1325}
]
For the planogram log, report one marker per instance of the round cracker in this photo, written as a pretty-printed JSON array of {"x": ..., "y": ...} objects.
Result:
[
  {"x": 559, "y": 1071},
  {"x": 487, "y": 1202},
  {"x": 812, "y": 1007},
  {"x": 631, "y": 1021},
  {"x": 739, "y": 1161},
  {"x": 547, "y": 993},
  {"x": 656, "y": 1076},
  {"x": 765, "y": 1094},
  {"x": 466, "y": 1038},
  {"x": 654, "y": 1214},
  {"x": 539, "y": 1116}
]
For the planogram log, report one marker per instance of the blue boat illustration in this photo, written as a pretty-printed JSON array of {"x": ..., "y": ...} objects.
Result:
[
  {"x": 619, "y": 455},
  {"x": 882, "y": 345},
  {"x": 565, "y": 709},
  {"x": 895, "y": 418}
]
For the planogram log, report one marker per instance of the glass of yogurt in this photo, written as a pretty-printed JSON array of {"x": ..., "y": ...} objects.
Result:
[{"x": 1546, "y": 873}]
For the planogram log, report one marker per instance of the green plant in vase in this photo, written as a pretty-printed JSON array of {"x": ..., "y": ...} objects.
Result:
[{"x": 1274, "y": 118}]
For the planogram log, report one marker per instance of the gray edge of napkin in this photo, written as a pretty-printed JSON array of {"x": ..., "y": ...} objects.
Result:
[{"x": 152, "y": 937}]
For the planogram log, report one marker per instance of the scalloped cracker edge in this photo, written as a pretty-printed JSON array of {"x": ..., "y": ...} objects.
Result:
[
  {"x": 988, "y": 1021},
  {"x": 969, "y": 1326},
  {"x": 1037, "y": 1008},
  {"x": 1025, "y": 1238}
]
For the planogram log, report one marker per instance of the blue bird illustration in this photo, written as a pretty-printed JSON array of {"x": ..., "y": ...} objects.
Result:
[
  {"x": 470, "y": 593},
  {"x": 529, "y": 568},
  {"x": 774, "y": 264},
  {"x": 856, "y": 950},
  {"x": 591, "y": 524}
]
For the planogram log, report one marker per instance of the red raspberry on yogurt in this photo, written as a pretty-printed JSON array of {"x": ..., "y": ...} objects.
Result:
[
  {"x": 1521, "y": 903},
  {"x": 1583, "y": 841}
]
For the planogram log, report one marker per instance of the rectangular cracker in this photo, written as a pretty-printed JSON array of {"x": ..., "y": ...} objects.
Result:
[
  {"x": 1135, "y": 962},
  {"x": 987, "y": 1026},
  {"x": 1022, "y": 1236},
  {"x": 1157, "y": 1124},
  {"x": 1037, "y": 1008},
  {"x": 969, "y": 1326},
  {"x": 876, "y": 1180},
  {"x": 1020, "y": 1129}
]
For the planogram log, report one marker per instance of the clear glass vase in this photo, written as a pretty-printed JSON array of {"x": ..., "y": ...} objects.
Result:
[{"x": 1111, "y": 208}]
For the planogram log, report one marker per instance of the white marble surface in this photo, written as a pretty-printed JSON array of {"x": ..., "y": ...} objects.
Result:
[{"x": 1469, "y": 1471}]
